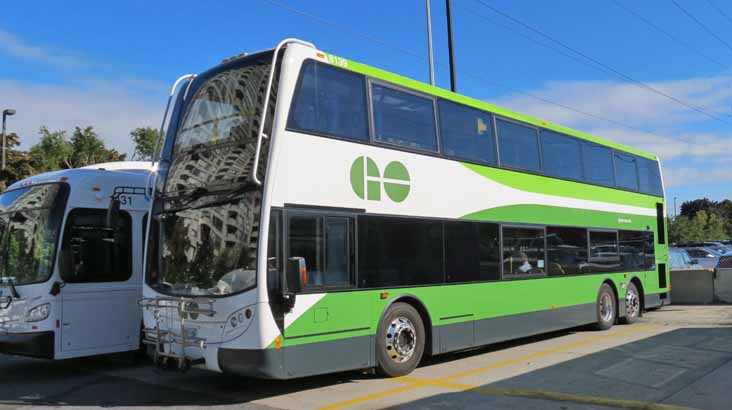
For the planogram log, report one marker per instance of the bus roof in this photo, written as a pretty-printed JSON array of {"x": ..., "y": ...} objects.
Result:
[
  {"x": 126, "y": 167},
  {"x": 483, "y": 105}
]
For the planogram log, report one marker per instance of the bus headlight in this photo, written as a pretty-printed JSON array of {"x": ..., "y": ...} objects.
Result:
[
  {"x": 38, "y": 313},
  {"x": 239, "y": 321}
]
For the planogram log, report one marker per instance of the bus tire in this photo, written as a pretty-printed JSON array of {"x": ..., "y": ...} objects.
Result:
[
  {"x": 632, "y": 304},
  {"x": 607, "y": 307},
  {"x": 400, "y": 341}
]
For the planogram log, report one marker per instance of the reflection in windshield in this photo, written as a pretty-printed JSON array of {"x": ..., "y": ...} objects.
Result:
[
  {"x": 207, "y": 225},
  {"x": 212, "y": 250},
  {"x": 29, "y": 222}
]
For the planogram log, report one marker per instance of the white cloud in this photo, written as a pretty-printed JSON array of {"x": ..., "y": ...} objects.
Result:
[
  {"x": 16, "y": 47},
  {"x": 112, "y": 110}
]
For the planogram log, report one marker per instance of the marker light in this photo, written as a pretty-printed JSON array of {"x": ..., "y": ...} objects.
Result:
[{"x": 38, "y": 313}]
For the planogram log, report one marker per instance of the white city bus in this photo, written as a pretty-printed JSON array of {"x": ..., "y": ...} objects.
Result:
[{"x": 70, "y": 282}]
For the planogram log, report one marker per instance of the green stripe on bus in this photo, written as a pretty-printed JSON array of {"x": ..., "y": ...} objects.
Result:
[{"x": 552, "y": 186}]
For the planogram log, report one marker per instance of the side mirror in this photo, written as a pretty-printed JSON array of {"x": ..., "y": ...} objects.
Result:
[
  {"x": 296, "y": 275},
  {"x": 295, "y": 278},
  {"x": 56, "y": 288},
  {"x": 113, "y": 212}
]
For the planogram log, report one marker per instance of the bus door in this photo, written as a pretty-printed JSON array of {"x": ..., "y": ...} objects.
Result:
[
  {"x": 101, "y": 273},
  {"x": 328, "y": 325}
]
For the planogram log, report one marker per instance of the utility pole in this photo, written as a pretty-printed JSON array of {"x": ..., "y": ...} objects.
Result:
[
  {"x": 429, "y": 43},
  {"x": 675, "y": 208},
  {"x": 6, "y": 113},
  {"x": 453, "y": 83}
]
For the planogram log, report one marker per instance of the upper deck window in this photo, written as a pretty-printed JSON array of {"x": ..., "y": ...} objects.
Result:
[
  {"x": 562, "y": 155},
  {"x": 403, "y": 119},
  {"x": 598, "y": 164},
  {"x": 330, "y": 101},
  {"x": 649, "y": 177},
  {"x": 518, "y": 145},
  {"x": 626, "y": 173},
  {"x": 467, "y": 133}
]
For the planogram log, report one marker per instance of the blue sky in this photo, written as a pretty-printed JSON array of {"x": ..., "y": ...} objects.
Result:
[{"x": 109, "y": 64}]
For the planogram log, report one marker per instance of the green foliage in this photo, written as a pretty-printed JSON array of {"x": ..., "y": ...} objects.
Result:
[
  {"x": 702, "y": 226},
  {"x": 144, "y": 139},
  {"x": 52, "y": 152},
  {"x": 88, "y": 149},
  {"x": 18, "y": 163}
]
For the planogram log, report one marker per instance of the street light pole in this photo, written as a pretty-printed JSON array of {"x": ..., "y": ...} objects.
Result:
[
  {"x": 6, "y": 113},
  {"x": 675, "y": 208},
  {"x": 453, "y": 81},
  {"x": 429, "y": 43}
]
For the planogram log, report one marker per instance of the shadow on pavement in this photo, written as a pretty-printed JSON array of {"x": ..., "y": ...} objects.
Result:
[{"x": 684, "y": 367}]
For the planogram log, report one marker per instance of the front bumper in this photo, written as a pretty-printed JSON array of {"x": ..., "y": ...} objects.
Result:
[{"x": 37, "y": 344}]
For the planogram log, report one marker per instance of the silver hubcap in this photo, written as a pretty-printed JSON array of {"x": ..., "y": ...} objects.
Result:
[
  {"x": 401, "y": 340},
  {"x": 632, "y": 303},
  {"x": 606, "y": 307}
]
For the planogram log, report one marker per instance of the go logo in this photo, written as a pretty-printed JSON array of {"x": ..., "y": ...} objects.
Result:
[{"x": 366, "y": 180}]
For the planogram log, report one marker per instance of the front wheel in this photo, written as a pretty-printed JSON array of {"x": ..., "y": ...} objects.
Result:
[
  {"x": 632, "y": 304},
  {"x": 399, "y": 340},
  {"x": 606, "y": 307}
]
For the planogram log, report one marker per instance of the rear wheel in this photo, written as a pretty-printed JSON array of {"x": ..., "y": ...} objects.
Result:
[
  {"x": 606, "y": 307},
  {"x": 399, "y": 340},
  {"x": 632, "y": 304}
]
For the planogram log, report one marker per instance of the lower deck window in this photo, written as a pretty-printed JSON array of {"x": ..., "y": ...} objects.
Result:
[
  {"x": 604, "y": 255},
  {"x": 472, "y": 252},
  {"x": 399, "y": 251},
  {"x": 523, "y": 251},
  {"x": 324, "y": 242}
]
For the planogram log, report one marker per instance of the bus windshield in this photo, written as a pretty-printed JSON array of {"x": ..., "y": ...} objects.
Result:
[
  {"x": 207, "y": 225},
  {"x": 30, "y": 219}
]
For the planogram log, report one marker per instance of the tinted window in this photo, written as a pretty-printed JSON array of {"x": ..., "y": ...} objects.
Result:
[
  {"x": 399, "y": 251},
  {"x": 274, "y": 250},
  {"x": 650, "y": 251},
  {"x": 466, "y": 133},
  {"x": 472, "y": 251},
  {"x": 91, "y": 252},
  {"x": 403, "y": 119},
  {"x": 562, "y": 155},
  {"x": 324, "y": 243},
  {"x": 632, "y": 250},
  {"x": 523, "y": 251},
  {"x": 604, "y": 252},
  {"x": 566, "y": 250},
  {"x": 649, "y": 177},
  {"x": 518, "y": 146},
  {"x": 331, "y": 101},
  {"x": 626, "y": 173},
  {"x": 598, "y": 164}
]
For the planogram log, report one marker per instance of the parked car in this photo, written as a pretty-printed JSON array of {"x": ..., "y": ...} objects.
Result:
[
  {"x": 708, "y": 257},
  {"x": 680, "y": 260},
  {"x": 717, "y": 246}
]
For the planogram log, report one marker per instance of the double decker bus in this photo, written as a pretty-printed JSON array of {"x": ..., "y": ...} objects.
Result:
[
  {"x": 312, "y": 214},
  {"x": 70, "y": 280}
]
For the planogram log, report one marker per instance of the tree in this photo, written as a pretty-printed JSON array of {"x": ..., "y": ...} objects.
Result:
[
  {"x": 145, "y": 139},
  {"x": 18, "y": 164},
  {"x": 52, "y": 152},
  {"x": 88, "y": 149}
]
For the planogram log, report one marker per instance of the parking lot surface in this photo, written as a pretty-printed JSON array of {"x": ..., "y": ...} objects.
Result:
[{"x": 678, "y": 357}]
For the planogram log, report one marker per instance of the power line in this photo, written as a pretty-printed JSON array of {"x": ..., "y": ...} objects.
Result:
[
  {"x": 603, "y": 67},
  {"x": 668, "y": 34},
  {"x": 478, "y": 77},
  {"x": 702, "y": 25},
  {"x": 720, "y": 11}
]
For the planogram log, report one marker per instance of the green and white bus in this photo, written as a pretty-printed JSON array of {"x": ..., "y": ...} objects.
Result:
[{"x": 313, "y": 214}]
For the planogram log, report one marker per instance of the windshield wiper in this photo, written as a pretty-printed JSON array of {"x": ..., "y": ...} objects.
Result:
[
  {"x": 229, "y": 196},
  {"x": 10, "y": 283}
]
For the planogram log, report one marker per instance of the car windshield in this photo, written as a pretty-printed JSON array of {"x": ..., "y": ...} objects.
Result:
[
  {"x": 207, "y": 227},
  {"x": 29, "y": 227}
]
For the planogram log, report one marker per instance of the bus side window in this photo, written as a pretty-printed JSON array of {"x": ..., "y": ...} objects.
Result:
[
  {"x": 91, "y": 252},
  {"x": 325, "y": 242}
]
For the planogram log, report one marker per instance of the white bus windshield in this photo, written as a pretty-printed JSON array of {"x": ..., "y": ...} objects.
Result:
[
  {"x": 208, "y": 226},
  {"x": 30, "y": 219}
]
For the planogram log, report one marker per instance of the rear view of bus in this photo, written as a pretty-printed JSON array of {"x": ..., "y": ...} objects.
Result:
[
  {"x": 312, "y": 214},
  {"x": 70, "y": 280}
]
